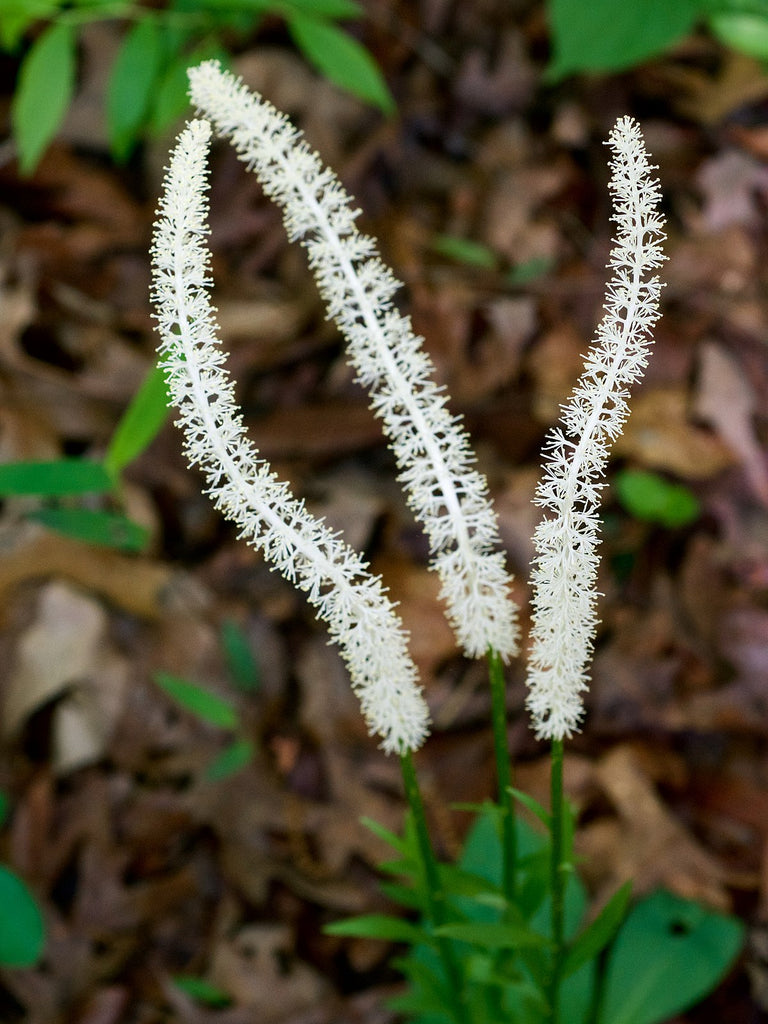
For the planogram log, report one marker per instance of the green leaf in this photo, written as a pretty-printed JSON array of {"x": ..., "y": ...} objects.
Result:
[
  {"x": 384, "y": 833},
  {"x": 45, "y": 86},
  {"x": 131, "y": 84},
  {"x": 170, "y": 100},
  {"x": 745, "y": 32},
  {"x": 203, "y": 991},
  {"x": 403, "y": 894},
  {"x": 537, "y": 809},
  {"x": 207, "y": 706},
  {"x": 529, "y": 271},
  {"x": 53, "y": 479},
  {"x": 668, "y": 955},
  {"x": 341, "y": 59},
  {"x": 379, "y": 926},
  {"x": 242, "y": 666},
  {"x": 335, "y": 10},
  {"x": 464, "y": 250},
  {"x": 94, "y": 527},
  {"x": 493, "y": 935},
  {"x": 139, "y": 424},
  {"x": 22, "y": 932},
  {"x": 604, "y": 35},
  {"x": 650, "y": 497},
  {"x": 599, "y": 933},
  {"x": 16, "y": 17},
  {"x": 231, "y": 760}
]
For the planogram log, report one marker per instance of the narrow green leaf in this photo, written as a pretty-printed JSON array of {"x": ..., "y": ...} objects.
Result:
[
  {"x": 231, "y": 760},
  {"x": 599, "y": 933},
  {"x": 668, "y": 955},
  {"x": 242, "y": 666},
  {"x": 18, "y": 15},
  {"x": 531, "y": 270},
  {"x": 341, "y": 59},
  {"x": 132, "y": 81},
  {"x": 464, "y": 250},
  {"x": 379, "y": 926},
  {"x": 604, "y": 35},
  {"x": 94, "y": 527},
  {"x": 54, "y": 479},
  {"x": 139, "y": 424},
  {"x": 384, "y": 833},
  {"x": 203, "y": 991},
  {"x": 334, "y": 10},
  {"x": 403, "y": 894},
  {"x": 537, "y": 809},
  {"x": 44, "y": 90},
  {"x": 22, "y": 933},
  {"x": 207, "y": 706},
  {"x": 493, "y": 935}
]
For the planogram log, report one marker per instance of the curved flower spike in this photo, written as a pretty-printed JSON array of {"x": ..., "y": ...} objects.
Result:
[
  {"x": 360, "y": 617},
  {"x": 445, "y": 492},
  {"x": 565, "y": 567}
]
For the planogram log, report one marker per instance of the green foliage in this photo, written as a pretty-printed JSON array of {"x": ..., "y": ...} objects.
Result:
[
  {"x": 650, "y": 497},
  {"x": 147, "y": 87},
  {"x": 668, "y": 955},
  {"x": 203, "y": 991},
  {"x": 139, "y": 424},
  {"x": 22, "y": 933},
  {"x": 203, "y": 704},
  {"x": 107, "y": 529},
  {"x": 603, "y": 35},
  {"x": 53, "y": 479},
  {"x": 464, "y": 250},
  {"x": 664, "y": 955},
  {"x": 217, "y": 711}
]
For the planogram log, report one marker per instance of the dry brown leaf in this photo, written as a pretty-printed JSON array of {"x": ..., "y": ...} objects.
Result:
[
  {"x": 647, "y": 843},
  {"x": 725, "y": 400},
  {"x": 659, "y": 434}
]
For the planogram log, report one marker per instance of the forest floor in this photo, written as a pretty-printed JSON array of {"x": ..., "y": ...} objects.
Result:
[{"x": 146, "y": 868}]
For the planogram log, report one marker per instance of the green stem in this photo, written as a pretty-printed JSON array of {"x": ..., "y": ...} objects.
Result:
[
  {"x": 436, "y": 909},
  {"x": 558, "y": 876},
  {"x": 503, "y": 770}
]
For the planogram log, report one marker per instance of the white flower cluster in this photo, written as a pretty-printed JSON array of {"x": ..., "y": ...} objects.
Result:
[
  {"x": 335, "y": 579},
  {"x": 565, "y": 567},
  {"x": 446, "y": 493}
]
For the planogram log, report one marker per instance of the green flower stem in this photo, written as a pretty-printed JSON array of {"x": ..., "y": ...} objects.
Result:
[
  {"x": 435, "y": 897},
  {"x": 558, "y": 876},
  {"x": 503, "y": 770}
]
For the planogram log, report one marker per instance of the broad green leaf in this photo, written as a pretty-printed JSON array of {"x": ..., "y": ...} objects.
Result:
[
  {"x": 207, "y": 706},
  {"x": 45, "y": 86},
  {"x": 745, "y": 32},
  {"x": 242, "y": 666},
  {"x": 231, "y": 760},
  {"x": 22, "y": 932},
  {"x": 341, "y": 59},
  {"x": 650, "y": 497},
  {"x": 606, "y": 35},
  {"x": 493, "y": 935},
  {"x": 599, "y": 933},
  {"x": 139, "y": 424},
  {"x": 131, "y": 84},
  {"x": 54, "y": 479},
  {"x": 668, "y": 955},
  {"x": 464, "y": 250},
  {"x": 378, "y": 926},
  {"x": 94, "y": 527},
  {"x": 203, "y": 991}
]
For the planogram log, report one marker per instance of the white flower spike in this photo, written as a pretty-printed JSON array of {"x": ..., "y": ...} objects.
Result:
[
  {"x": 360, "y": 617},
  {"x": 445, "y": 492},
  {"x": 565, "y": 567}
]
